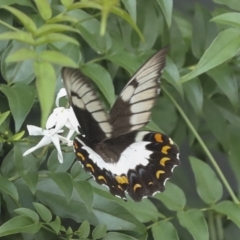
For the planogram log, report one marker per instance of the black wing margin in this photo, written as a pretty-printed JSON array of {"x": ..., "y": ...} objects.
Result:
[
  {"x": 90, "y": 113},
  {"x": 132, "y": 109}
]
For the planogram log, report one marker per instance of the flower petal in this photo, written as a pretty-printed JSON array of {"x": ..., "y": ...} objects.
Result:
[
  {"x": 44, "y": 141},
  {"x": 35, "y": 131},
  {"x": 55, "y": 140},
  {"x": 72, "y": 122},
  {"x": 57, "y": 120},
  {"x": 62, "y": 92}
]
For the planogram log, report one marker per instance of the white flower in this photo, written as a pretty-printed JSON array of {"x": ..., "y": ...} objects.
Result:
[
  {"x": 63, "y": 117},
  {"x": 48, "y": 137}
]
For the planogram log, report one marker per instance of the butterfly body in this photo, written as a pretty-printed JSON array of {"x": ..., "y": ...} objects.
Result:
[{"x": 113, "y": 149}]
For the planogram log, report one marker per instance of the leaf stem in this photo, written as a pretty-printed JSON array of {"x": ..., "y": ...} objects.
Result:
[
  {"x": 204, "y": 147},
  {"x": 219, "y": 227},
  {"x": 9, "y": 26},
  {"x": 211, "y": 225}
]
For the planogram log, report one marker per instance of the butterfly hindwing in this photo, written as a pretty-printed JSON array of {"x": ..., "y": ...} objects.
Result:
[
  {"x": 132, "y": 109},
  {"x": 141, "y": 171},
  {"x": 90, "y": 112}
]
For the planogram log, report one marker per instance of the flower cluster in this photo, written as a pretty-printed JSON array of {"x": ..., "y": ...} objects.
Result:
[{"x": 61, "y": 117}]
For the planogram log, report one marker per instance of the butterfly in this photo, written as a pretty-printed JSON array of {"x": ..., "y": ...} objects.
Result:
[{"x": 111, "y": 147}]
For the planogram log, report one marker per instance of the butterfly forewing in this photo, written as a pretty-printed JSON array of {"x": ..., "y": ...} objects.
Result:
[
  {"x": 132, "y": 109},
  {"x": 91, "y": 115}
]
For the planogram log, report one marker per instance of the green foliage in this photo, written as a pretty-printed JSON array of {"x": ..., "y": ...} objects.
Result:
[{"x": 198, "y": 108}]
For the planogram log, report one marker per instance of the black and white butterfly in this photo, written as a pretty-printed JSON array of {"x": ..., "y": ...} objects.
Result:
[{"x": 111, "y": 146}]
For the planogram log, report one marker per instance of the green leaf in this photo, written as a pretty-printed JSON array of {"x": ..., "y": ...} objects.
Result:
[
  {"x": 203, "y": 31},
  {"x": 85, "y": 192},
  {"x": 17, "y": 136},
  {"x": 19, "y": 224},
  {"x": 216, "y": 122},
  {"x": 230, "y": 209},
  {"x": 55, "y": 37},
  {"x": 144, "y": 211},
  {"x": 173, "y": 197},
  {"x": 44, "y": 213},
  {"x": 171, "y": 74},
  {"x": 148, "y": 19},
  {"x": 46, "y": 84},
  {"x": 19, "y": 36},
  {"x": 65, "y": 183},
  {"x": 224, "y": 47},
  {"x": 114, "y": 215},
  {"x": 131, "y": 6},
  {"x": 20, "y": 99},
  {"x": 209, "y": 187},
  {"x": 53, "y": 163},
  {"x": 27, "y": 212},
  {"x": 232, "y": 19},
  {"x": 178, "y": 47},
  {"x": 8, "y": 188},
  {"x": 55, "y": 225},
  {"x": 124, "y": 15},
  {"x": 67, "y": 3},
  {"x": 18, "y": 71},
  {"x": 233, "y": 4},
  {"x": 152, "y": 126},
  {"x": 57, "y": 58},
  {"x": 127, "y": 60},
  {"x": 69, "y": 231},
  {"x": 21, "y": 55},
  {"x": 53, "y": 28},
  {"x": 194, "y": 94},
  {"x": 117, "y": 236},
  {"x": 193, "y": 220},
  {"x": 234, "y": 150},
  {"x": 89, "y": 30},
  {"x": 102, "y": 79},
  {"x": 27, "y": 22},
  {"x": 8, "y": 168},
  {"x": 99, "y": 231},
  {"x": 226, "y": 81},
  {"x": 164, "y": 230},
  {"x": 84, "y": 230},
  {"x": 166, "y": 7},
  {"x": 44, "y": 8},
  {"x": 21, "y": 3},
  {"x": 3, "y": 116},
  {"x": 48, "y": 191},
  {"x": 31, "y": 179}
]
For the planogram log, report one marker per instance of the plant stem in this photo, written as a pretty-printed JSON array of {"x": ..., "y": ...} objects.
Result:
[
  {"x": 211, "y": 226},
  {"x": 9, "y": 26},
  {"x": 211, "y": 158},
  {"x": 219, "y": 227}
]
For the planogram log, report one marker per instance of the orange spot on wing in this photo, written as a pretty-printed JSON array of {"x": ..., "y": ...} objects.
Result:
[
  {"x": 158, "y": 173},
  {"x": 90, "y": 166},
  {"x": 136, "y": 186},
  {"x": 163, "y": 161},
  {"x": 165, "y": 149},
  {"x": 122, "y": 179},
  {"x": 158, "y": 137},
  {"x": 102, "y": 178},
  {"x": 81, "y": 156}
]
